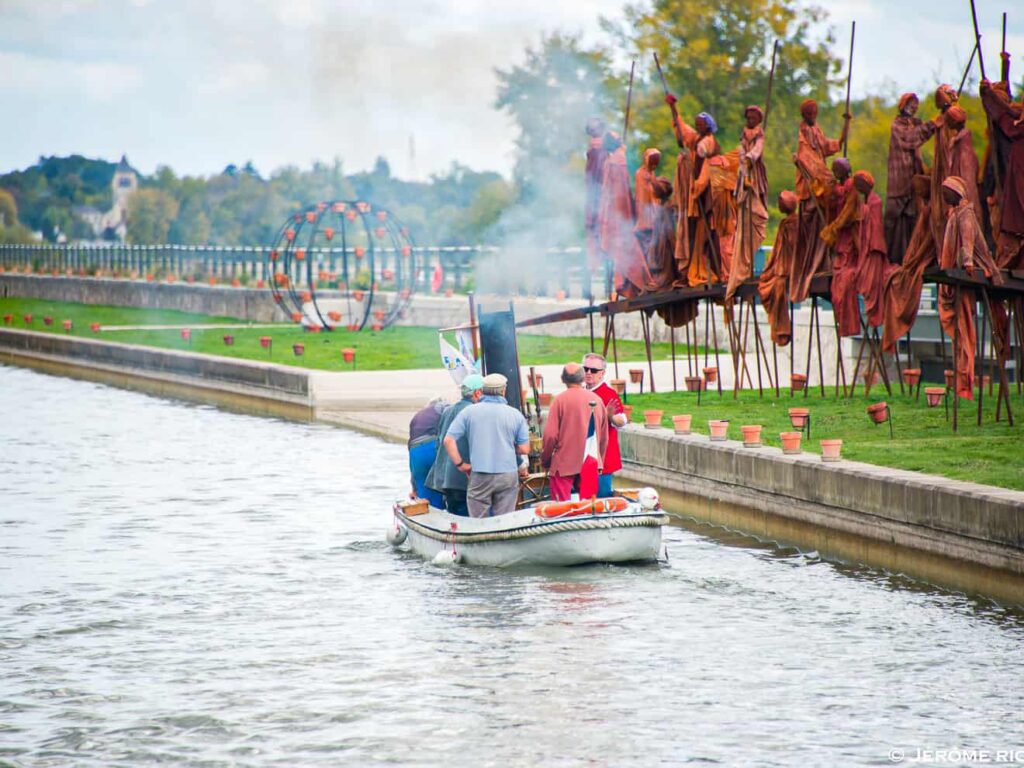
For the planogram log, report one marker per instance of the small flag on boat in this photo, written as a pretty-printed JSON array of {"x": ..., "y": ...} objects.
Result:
[
  {"x": 456, "y": 363},
  {"x": 591, "y": 459}
]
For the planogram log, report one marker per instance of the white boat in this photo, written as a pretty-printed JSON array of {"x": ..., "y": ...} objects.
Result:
[{"x": 625, "y": 528}]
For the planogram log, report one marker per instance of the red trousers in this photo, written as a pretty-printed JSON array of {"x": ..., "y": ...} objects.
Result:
[{"x": 562, "y": 485}]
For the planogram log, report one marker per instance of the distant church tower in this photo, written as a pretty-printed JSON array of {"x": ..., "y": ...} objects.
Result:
[{"x": 124, "y": 183}]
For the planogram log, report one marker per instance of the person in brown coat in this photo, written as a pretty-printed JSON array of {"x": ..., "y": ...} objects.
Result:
[
  {"x": 594, "y": 175},
  {"x": 872, "y": 264},
  {"x": 645, "y": 198},
  {"x": 909, "y": 133},
  {"x": 842, "y": 234},
  {"x": 575, "y": 438},
  {"x": 1009, "y": 118},
  {"x": 903, "y": 286},
  {"x": 963, "y": 246},
  {"x": 751, "y": 201},
  {"x": 813, "y": 182}
]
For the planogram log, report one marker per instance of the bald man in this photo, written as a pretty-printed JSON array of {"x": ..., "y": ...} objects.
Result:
[{"x": 575, "y": 438}]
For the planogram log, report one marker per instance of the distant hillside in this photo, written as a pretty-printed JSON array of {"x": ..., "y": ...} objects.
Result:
[{"x": 46, "y": 192}]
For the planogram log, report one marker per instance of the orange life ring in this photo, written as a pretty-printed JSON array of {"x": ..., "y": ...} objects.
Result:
[{"x": 582, "y": 507}]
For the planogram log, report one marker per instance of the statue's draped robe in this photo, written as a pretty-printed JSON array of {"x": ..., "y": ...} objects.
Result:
[
  {"x": 616, "y": 227},
  {"x": 594, "y": 176},
  {"x": 907, "y": 136},
  {"x": 963, "y": 245},
  {"x": 873, "y": 265},
  {"x": 813, "y": 182},
  {"x": 902, "y": 293},
  {"x": 715, "y": 186},
  {"x": 751, "y": 210},
  {"x": 843, "y": 234},
  {"x": 773, "y": 286}
]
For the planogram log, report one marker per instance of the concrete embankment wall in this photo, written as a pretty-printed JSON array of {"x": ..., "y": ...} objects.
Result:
[
  {"x": 892, "y": 518},
  {"x": 262, "y": 387}
]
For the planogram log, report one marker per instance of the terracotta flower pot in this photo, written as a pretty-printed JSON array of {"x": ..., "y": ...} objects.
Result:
[
  {"x": 934, "y": 395},
  {"x": 334, "y": 315},
  {"x": 67, "y": 325},
  {"x": 949, "y": 375},
  {"x": 986, "y": 380},
  {"x": 300, "y": 254},
  {"x": 751, "y": 435},
  {"x": 296, "y": 317},
  {"x": 379, "y": 315},
  {"x": 27, "y": 319},
  {"x": 357, "y": 295},
  {"x": 186, "y": 334},
  {"x": 718, "y": 429},
  {"x": 8, "y": 318},
  {"x": 535, "y": 380},
  {"x": 830, "y": 449},
  {"x": 871, "y": 378},
  {"x": 682, "y": 423},
  {"x": 693, "y": 383},
  {"x": 94, "y": 327},
  {"x": 879, "y": 412},
  {"x": 636, "y": 375},
  {"x": 790, "y": 441},
  {"x": 619, "y": 385},
  {"x": 265, "y": 342},
  {"x": 348, "y": 354},
  {"x": 171, "y": 278},
  {"x": 798, "y": 417},
  {"x": 298, "y": 349},
  {"x": 710, "y": 374},
  {"x": 229, "y": 340},
  {"x": 236, "y": 283},
  {"x": 376, "y": 327},
  {"x": 797, "y": 382},
  {"x": 652, "y": 418},
  {"x": 911, "y": 376},
  {"x": 628, "y": 410},
  {"x": 545, "y": 399},
  {"x": 47, "y": 320}
]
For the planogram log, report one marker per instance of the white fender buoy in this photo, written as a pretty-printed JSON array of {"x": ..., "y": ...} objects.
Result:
[
  {"x": 648, "y": 498},
  {"x": 447, "y": 557},
  {"x": 396, "y": 535}
]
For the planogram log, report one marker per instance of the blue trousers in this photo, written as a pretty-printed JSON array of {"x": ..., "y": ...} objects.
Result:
[{"x": 421, "y": 459}]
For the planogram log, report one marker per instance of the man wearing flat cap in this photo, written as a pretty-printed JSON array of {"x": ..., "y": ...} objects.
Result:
[{"x": 497, "y": 435}]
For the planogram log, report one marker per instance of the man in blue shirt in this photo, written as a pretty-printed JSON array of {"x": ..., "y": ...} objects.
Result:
[
  {"x": 444, "y": 476},
  {"x": 497, "y": 436}
]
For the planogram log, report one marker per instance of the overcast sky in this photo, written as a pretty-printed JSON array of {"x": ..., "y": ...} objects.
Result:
[{"x": 197, "y": 84}]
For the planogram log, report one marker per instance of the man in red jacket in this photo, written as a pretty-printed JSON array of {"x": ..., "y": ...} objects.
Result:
[
  {"x": 593, "y": 378},
  {"x": 575, "y": 438}
]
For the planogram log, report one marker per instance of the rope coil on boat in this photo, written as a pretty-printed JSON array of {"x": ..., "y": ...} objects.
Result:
[{"x": 588, "y": 524}]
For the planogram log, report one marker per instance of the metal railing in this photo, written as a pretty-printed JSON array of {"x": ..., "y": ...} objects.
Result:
[{"x": 463, "y": 267}]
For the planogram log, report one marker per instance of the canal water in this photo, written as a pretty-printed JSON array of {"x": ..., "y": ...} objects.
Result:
[{"x": 184, "y": 585}]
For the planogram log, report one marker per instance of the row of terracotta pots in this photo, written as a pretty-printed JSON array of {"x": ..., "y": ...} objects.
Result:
[{"x": 719, "y": 431}]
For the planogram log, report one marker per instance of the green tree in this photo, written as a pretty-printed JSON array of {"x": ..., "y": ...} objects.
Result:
[
  {"x": 550, "y": 97},
  {"x": 8, "y": 209},
  {"x": 150, "y": 213}
]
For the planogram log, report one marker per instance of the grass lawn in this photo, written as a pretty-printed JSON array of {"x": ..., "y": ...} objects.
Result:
[
  {"x": 924, "y": 440},
  {"x": 395, "y": 348}
]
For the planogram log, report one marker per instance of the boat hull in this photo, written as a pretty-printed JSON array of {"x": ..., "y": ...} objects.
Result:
[{"x": 520, "y": 539}]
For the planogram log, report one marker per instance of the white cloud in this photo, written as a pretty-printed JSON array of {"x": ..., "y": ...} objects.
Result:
[{"x": 40, "y": 76}]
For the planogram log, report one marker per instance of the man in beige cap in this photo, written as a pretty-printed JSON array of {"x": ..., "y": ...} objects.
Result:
[{"x": 497, "y": 432}]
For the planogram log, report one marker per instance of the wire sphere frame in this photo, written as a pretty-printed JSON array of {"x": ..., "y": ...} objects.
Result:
[{"x": 374, "y": 249}]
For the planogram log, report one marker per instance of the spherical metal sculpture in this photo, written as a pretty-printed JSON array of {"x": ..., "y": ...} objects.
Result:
[{"x": 362, "y": 251}]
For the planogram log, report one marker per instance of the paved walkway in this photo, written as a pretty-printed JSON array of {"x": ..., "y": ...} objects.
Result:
[{"x": 383, "y": 402}]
